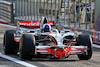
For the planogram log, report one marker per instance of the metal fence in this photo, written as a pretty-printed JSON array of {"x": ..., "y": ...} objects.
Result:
[{"x": 70, "y": 13}]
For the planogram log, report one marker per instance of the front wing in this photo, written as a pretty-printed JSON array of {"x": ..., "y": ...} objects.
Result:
[{"x": 60, "y": 51}]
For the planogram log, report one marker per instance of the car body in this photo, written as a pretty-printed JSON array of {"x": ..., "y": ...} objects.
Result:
[{"x": 58, "y": 44}]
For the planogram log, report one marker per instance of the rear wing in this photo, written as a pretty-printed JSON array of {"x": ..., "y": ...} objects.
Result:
[{"x": 34, "y": 24}]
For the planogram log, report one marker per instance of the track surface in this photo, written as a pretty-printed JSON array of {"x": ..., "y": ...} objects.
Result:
[{"x": 72, "y": 61}]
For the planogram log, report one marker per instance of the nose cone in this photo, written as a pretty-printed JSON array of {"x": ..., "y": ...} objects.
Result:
[
  {"x": 61, "y": 47},
  {"x": 60, "y": 52}
]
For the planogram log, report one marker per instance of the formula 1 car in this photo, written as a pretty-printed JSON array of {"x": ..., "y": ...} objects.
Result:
[{"x": 60, "y": 44}]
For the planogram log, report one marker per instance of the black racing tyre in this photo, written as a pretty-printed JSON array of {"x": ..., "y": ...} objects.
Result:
[
  {"x": 8, "y": 42},
  {"x": 85, "y": 40},
  {"x": 27, "y": 46}
]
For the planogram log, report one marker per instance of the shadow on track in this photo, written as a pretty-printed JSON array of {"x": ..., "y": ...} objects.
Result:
[{"x": 48, "y": 59}]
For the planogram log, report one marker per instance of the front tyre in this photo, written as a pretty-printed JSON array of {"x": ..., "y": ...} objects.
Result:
[
  {"x": 85, "y": 40},
  {"x": 27, "y": 46},
  {"x": 8, "y": 42}
]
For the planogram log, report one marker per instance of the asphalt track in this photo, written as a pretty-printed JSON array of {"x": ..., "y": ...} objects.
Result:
[{"x": 72, "y": 61}]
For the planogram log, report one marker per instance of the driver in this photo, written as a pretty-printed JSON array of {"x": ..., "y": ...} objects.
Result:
[{"x": 46, "y": 28}]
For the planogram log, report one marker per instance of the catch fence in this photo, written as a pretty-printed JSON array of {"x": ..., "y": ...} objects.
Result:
[{"x": 69, "y": 13}]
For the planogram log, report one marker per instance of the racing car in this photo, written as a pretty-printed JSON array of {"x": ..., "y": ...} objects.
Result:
[{"x": 29, "y": 43}]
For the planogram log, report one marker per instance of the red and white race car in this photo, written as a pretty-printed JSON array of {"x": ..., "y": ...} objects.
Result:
[{"x": 32, "y": 42}]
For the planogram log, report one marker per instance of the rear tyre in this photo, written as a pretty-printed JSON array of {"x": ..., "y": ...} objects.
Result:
[
  {"x": 85, "y": 40},
  {"x": 27, "y": 46},
  {"x": 8, "y": 42}
]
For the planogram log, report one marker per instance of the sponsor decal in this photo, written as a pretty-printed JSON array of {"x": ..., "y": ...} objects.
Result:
[
  {"x": 30, "y": 23},
  {"x": 33, "y": 23},
  {"x": 50, "y": 22}
]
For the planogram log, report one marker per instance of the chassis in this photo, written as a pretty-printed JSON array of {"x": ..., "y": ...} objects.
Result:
[{"x": 32, "y": 42}]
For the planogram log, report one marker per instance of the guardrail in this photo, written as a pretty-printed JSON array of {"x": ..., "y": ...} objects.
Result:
[{"x": 6, "y": 11}]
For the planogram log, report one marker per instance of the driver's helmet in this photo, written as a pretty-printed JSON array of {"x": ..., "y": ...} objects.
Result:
[{"x": 46, "y": 28}]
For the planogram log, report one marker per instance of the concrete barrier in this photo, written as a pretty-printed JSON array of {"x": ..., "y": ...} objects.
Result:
[{"x": 6, "y": 11}]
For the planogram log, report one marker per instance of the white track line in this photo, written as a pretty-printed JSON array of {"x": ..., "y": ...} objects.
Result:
[
  {"x": 97, "y": 46},
  {"x": 16, "y": 60}
]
